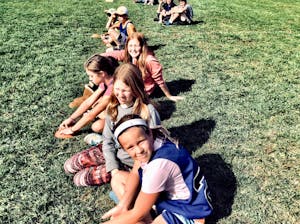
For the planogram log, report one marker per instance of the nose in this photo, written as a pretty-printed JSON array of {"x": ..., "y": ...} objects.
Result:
[{"x": 139, "y": 150}]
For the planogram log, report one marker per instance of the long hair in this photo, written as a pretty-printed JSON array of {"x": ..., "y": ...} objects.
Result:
[
  {"x": 130, "y": 75},
  {"x": 145, "y": 51},
  {"x": 97, "y": 63}
]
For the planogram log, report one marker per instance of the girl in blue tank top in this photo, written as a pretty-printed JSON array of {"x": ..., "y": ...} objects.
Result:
[{"x": 164, "y": 176}]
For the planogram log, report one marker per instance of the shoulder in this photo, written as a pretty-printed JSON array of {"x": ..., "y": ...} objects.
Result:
[
  {"x": 151, "y": 107},
  {"x": 161, "y": 165},
  {"x": 150, "y": 58}
]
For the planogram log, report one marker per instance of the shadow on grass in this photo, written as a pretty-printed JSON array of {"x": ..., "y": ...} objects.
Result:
[
  {"x": 195, "y": 134},
  {"x": 165, "y": 108},
  {"x": 222, "y": 185},
  {"x": 195, "y": 22},
  {"x": 156, "y": 47},
  {"x": 175, "y": 87}
]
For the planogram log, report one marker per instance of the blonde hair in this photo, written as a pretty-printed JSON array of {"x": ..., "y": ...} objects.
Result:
[
  {"x": 130, "y": 75},
  {"x": 145, "y": 51}
]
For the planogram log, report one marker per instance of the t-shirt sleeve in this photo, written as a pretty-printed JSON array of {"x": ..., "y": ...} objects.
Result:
[
  {"x": 118, "y": 55},
  {"x": 154, "y": 116},
  {"x": 156, "y": 176},
  {"x": 155, "y": 69},
  {"x": 108, "y": 146},
  {"x": 108, "y": 90}
]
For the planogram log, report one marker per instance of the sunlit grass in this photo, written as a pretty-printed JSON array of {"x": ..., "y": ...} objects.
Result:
[{"x": 238, "y": 69}]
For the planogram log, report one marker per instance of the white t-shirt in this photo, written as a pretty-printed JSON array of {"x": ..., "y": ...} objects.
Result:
[{"x": 163, "y": 175}]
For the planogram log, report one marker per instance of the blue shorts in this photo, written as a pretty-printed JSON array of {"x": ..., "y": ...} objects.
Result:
[{"x": 173, "y": 218}]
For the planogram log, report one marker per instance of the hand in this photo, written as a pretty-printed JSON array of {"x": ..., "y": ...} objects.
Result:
[
  {"x": 114, "y": 212},
  {"x": 95, "y": 35},
  {"x": 67, "y": 131},
  {"x": 175, "y": 98},
  {"x": 66, "y": 123}
]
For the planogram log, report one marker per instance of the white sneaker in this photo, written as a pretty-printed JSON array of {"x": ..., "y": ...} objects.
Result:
[{"x": 93, "y": 139}]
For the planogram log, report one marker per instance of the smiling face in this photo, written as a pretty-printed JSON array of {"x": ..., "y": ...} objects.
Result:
[
  {"x": 94, "y": 77},
  {"x": 123, "y": 93},
  {"x": 137, "y": 143},
  {"x": 134, "y": 48}
]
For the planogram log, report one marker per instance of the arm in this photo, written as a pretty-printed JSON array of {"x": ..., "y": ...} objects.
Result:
[
  {"x": 118, "y": 55},
  {"x": 110, "y": 21},
  {"x": 155, "y": 69},
  {"x": 130, "y": 192},
  {"x": 115, "y": 25},
  {"x": 108, "y": 147},
  {"x": 142, "y": 207},
  {"x": 91, "y": 115},
  {"x": 179, "y": 9},
  {"x": 130, "y": 29},
  {"x": 82, "y": 108},
  {"x": 154, "y": 117}
]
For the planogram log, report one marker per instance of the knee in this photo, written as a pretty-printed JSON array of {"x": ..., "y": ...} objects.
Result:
[
  {"x": 117, "y": 186},
  {"x": 98, "y": 126}
]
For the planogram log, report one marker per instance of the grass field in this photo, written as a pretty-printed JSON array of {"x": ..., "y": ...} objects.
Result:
[{"x": 238, "y": 68}]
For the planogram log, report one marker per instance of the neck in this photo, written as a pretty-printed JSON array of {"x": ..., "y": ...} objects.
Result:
[
  {"x": 108, "y": 80},
  {"x": 127, "y": 105}
]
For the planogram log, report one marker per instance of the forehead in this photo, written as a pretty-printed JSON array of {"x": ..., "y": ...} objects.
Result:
[
  {"x": 132, "y": 134},
  {"x": 120, "y": 84},
  {"x": 89, "y": 72},
  {"x": 133, "y": 41}
]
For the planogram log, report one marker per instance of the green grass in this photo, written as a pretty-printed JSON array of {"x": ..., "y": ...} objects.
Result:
[{"x": 242, "y": 57}]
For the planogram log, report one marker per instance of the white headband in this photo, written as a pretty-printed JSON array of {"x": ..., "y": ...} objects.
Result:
[{"x": 128, "y": 124}]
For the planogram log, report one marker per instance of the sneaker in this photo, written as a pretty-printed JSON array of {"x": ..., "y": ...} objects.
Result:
[
  {"x": 93, "y": 139},
  {"x": 156, "y": 19},
  {"x": 167, "y": 23}
]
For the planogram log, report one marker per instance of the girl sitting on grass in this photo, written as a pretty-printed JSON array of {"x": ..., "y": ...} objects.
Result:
[
  {"x": 165, "y": 12},
  {"x": 164, "y": 174},
  {"x": 183, "y": 14},
  {"x": 100, "y": 70},
  {"x": 137, "y": 52},
  {"x": 96, "y": 167}
]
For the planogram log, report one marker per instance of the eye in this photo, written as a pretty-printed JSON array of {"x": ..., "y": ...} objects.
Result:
[{"x": 129, "y": 148}]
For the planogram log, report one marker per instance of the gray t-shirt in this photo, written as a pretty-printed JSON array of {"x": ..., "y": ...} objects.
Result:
[{"x": 112, "y": 151}]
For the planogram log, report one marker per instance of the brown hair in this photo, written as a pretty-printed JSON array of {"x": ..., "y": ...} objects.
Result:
[
  {"x": 141, "y": 62},
  {"x": 131, "y": 76},
  {"x": 97, "y": 63}
]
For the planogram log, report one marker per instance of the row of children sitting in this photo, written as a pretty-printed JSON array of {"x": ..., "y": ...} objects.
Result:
[
  {"x": 128, "y": 144},
  {"x": 169, "y": 13},
  {"x": 119, "y": 27},
  {"x": 100, "y": 71},
  {"x": 135, "y": 151}
]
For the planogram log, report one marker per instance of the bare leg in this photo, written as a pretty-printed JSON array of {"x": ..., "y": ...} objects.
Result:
[
  {"x": 118, "y": 182},
  {"x": 98, "y": 125}
]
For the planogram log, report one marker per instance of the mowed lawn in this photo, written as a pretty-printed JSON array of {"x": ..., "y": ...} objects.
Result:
[{"x": 237, "y": 67}]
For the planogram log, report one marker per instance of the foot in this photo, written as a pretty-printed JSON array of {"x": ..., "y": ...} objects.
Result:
[{"x": 95, "y": 35}]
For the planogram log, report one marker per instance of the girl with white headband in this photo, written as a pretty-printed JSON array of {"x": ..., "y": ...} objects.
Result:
[{"x": 164, "y": 174}]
